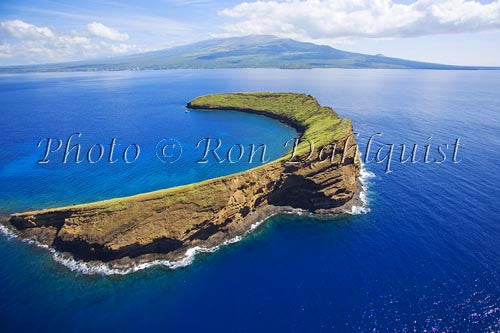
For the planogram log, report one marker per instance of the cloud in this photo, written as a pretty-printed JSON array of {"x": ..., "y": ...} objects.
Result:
[
  {"x": 122, "y": 48},
  {"x": 100, "y": 30},
  {"x": 24, "y": 43},
  {"x": 23, "y": 30},
  {"x": 346, "y": 19}
]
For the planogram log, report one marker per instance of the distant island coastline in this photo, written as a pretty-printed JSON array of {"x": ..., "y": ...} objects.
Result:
[
  {"x": 260, "y": 51},
  {"x": 165, "y": 224}
]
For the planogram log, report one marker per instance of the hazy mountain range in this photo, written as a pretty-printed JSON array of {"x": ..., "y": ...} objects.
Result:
[{"x": 240, "y": 52}]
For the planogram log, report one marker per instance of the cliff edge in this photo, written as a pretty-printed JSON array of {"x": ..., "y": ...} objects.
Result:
[{"x": 165, "y": 223}]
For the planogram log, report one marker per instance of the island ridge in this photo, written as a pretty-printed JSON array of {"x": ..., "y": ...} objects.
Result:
[{"x": 164, "y": 224}]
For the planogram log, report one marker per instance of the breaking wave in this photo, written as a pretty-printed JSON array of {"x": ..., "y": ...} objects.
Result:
[
  {"x": 7, "y": 232},
  {"x": 364, "y": 178}
]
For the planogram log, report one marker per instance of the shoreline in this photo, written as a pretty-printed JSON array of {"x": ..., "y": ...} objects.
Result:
[
  {"x": 172, "y": 225},
  {"x": 358, "y": 206}
]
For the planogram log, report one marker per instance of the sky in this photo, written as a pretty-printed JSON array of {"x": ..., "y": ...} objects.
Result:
[{"x": 459, "y": 32}]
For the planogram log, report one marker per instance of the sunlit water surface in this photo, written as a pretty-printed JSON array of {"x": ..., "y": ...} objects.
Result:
[{"x": 425, "y": 257}]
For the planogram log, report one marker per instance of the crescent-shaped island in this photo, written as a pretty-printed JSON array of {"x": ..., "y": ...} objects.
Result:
[{"x": 165, "y": 224}]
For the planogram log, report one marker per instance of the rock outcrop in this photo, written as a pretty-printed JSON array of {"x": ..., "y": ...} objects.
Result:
[{"x": 163, "y": 224}]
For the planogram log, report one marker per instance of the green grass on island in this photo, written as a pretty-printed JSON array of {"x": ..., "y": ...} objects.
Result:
[{"x": 320, "y": 124}]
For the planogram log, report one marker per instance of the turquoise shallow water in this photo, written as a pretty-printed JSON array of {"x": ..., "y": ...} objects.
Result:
[
  {"x": 135, "y": 109},
  {"x": 425, "y": 257}
]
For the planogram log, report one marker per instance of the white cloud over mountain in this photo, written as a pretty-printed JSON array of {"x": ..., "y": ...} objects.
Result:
[
  {"x": 344, "y": 19},
  {"x": 22, "y": 42},
  {"x": 22, "y": 30},
  {"x": 100, "y": 30}
]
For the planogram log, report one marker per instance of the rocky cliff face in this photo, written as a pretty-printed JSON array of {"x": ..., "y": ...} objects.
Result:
[{"x": 166, "y": 223}]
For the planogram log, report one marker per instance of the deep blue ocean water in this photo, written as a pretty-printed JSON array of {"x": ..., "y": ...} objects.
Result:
[{"x": 426, "y": 257}]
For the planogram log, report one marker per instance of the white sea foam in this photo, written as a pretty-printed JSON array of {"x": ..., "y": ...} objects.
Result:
[
  {"x": 106, "y": 269},
  {"x": 364, "y": 179},
  {"x": 6, "y": 232}
]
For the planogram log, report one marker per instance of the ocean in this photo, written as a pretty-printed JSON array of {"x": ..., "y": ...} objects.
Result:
[{"x": 423, "y": 255}]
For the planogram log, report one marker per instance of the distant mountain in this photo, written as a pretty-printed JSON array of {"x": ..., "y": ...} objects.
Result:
[{"x": 240, "y": 52}]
